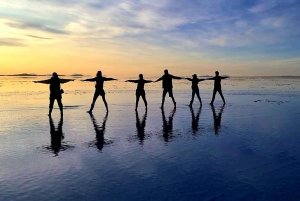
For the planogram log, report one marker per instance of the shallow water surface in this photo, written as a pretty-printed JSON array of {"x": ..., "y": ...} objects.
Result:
[{"x": 245, "y": 150}]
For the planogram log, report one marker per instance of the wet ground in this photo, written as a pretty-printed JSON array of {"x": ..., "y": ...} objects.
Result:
[{"x": 246, "y": 150}]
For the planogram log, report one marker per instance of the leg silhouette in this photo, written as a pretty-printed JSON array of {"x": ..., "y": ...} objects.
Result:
[
  {"x": 163, "y": 98},
  {"x": 173, "y": 101},
  {"x": 105, "y": 103},
  {"x": 137, "y": 101},
  {"x": 192, "y": 100},
  {"x": 221, "y": 94},
  {"x": 60, "y": 106},
  {"x": 144, "y": 99},
  {"x": 198, "y": 95},
  {"x": 213, "y": 98},
  {"x": 51, "y": 106},
  {"x": 94, "y": 101}
]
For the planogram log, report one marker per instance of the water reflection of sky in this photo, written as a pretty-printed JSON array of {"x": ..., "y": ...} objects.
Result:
[{"x": 254, "y": 154}]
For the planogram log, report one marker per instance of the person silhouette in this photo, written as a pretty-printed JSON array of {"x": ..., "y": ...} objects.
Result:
[
  {"x": 167, "y": 125},
  {"x": 140, "y": 126},
  {"x": 195, "y": 119},
  {"x": 57, "y": 135},
  {"x": 55, "y": 91},
  {"x": 217, "y": 87},
  {"x": 217, "y": 118},
  {"x": 99, "y": 91},
  {"x": 100, "y": 131},
  {"x": 195, "y": 88},
  {"x": 167, "y": 86},
  {"x": 140, "y": 90}
]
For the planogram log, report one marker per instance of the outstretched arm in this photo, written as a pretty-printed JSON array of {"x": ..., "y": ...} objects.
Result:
[
  {"x": 212, "y": 78},
  {"x": 62, "y": 81},
  {"x": 176, "y": 77},
  {"x": 159, "y": 79},
  {"x": 147, "y": 81},
  {"x": 134, "y": 81},
  {"x": 200, "y": 80},
  {"x": 109, "y": 79},
  {"x": 225, "y": 77},
  {"x": 43, "y": 81},
  {"x": 189, "y": 79},
  {"x": 90, "y": 80}
]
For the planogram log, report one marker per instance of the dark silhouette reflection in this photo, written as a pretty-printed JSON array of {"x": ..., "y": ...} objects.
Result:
[
  {"x": 99, "y": 142},
  {"x": 195, "y": 119},
  {"x": 140, "y": 126},
  {"x": 57, "y": 136},
  {"x": 168, "y": 125},
  {"x": 217, "y": 118}
]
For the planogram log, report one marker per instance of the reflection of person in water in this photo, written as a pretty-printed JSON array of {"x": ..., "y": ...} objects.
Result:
[
  {"x": 167, "y": 125},
  {"x": 56, "y": 135},
  {"x": 99, "y": 91},
  {"x": 217, "y": 87},
  {"x": 55, "y": 91},
  {"x": 217, "y": 118},
  {"x": 140, "y": 126},
  {"x": 100, "y": 131},
  {"x": 195, "y": 119},
  {"x": 140, "y": 90},
  {"x": 167, "y": 86},
  {"x": 195, "y": 88}
]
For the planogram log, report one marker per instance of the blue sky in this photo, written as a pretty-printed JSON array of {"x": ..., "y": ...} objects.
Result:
[{"x": 243, "y": 35}]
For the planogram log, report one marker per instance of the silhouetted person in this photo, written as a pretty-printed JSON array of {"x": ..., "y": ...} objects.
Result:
[
  {"x": 55, "y": 91},
  {"x": 99, "y": 91},
  {"x": 195, "y": 88},
  {"x": 195, "y": 119},
  {"x": 217, "y": 118},
  {"x": 167, "y": 86},
  {"x": 140, "y": 90},
  {"x": 100, "y": 131},
  {"x": 56, "y": 135},
  {"x": 217, "y": 87},
  {"x": 167, "y": 125},
  {"x": 140, "y": 126}
]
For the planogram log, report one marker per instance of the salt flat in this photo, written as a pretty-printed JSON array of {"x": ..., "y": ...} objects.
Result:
[{"x": 245, "y": 150}]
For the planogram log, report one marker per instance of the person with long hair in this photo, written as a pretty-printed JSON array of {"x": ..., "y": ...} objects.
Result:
[
  {"x": 140, "y": 91},
  {"x": 99, "y": 91}
]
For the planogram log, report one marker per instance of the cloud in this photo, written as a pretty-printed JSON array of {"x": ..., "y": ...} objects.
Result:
[
  {"x": 11, "y": 42},
  {"x": 38, "y": 37},
  {"x": 35, "y": 26},
  {"x": 200, "y": 26}
]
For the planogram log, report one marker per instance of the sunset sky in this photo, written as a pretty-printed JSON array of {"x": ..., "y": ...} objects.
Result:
[{"x": 238, "y": 37}]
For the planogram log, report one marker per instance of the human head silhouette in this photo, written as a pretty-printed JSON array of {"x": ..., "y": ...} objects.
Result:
[
  {"x": 194, "y": 76},
  {"x": 166, "y": 72},
  {"x": 141, "y": 76},
  {"x": 99, "y": 74},
  {"x": 217, "y": 73},
  {"x": 54, "y": 74}
]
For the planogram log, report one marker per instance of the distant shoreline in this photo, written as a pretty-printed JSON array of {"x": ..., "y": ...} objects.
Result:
[{"x": 149, "y": 77}]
